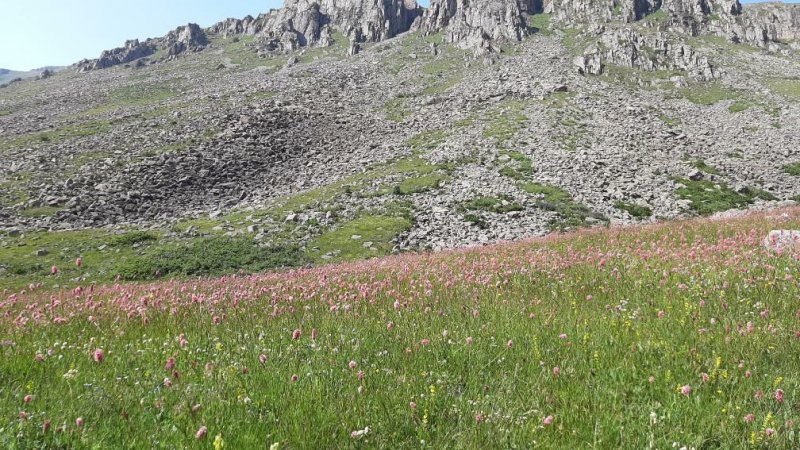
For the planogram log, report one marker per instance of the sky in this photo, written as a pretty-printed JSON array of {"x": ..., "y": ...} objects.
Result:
[{"x": 37, "y": 33}]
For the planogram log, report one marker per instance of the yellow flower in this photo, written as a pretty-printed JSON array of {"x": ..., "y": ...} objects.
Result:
[
  {"x": 218, "y": 346},
  {"x": 718, "y": 362},
  {"x": 219, "y": 443},
  {"x": 433, "y": 389},
  {"x": 778, "y": 381}
]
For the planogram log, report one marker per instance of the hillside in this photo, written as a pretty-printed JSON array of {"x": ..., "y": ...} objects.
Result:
[
  {"x": 673, "y": 335},
  {"x": 347, "y": 130}
]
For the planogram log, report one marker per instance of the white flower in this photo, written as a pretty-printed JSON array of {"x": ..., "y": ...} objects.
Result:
[
  {"x": 275, "y": 446},
  {"x": 71, "y": 373},
  {"x": 358, "y": 433}
]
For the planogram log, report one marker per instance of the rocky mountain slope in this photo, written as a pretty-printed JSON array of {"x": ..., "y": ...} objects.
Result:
[{"x": 466, "y": 122}]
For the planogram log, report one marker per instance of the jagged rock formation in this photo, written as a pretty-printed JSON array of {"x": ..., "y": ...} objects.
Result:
[
  {"x": 233, "y": 27},
  {"x": 304, "y": 23},
  {"x": 190, "y": 37},
  {"x": 479, "y": 25},
  {"x": 626, "y": 47},
  {"x": 132, "y": 51},
  {"x": 765, "y": 25}
]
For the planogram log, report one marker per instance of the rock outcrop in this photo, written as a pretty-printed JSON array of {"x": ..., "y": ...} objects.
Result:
[
  {"x": 132, "y": 51},
  {"x": 479, "y": 25},
  {"x": 629, "y": 48},
  {"x": 186, "y": 38},
  {"x": 303, "y": 23}
]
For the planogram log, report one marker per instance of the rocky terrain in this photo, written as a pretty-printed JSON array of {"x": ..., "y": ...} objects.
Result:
[{"x": 472, "y": 121}]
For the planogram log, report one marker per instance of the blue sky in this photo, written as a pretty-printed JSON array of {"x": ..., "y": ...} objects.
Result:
[{"x": 36, "y": 33}]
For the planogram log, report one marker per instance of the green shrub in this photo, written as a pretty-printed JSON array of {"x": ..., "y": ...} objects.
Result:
[
  {"x": 633, "y": 209},
  {"x": 210, "y": 256},
  {"x": 792, "y": 169}
]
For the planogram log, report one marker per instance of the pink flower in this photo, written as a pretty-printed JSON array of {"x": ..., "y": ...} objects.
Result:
[
  {"x": 352, "y": 364},
  {"x": 390, "y": 326},
  {"x": 705, "y": 377},
  {"x": 412, "y": 405},
  {"x": 547, "y": 420},
  {"x": 216, "y": 320},
  {"x": 478, "y": 418},
  {"x": 99, "y": 355},
  {"x": 79, "y": 422},
  {"x": 396, "y": 304},
  {"x": 749, "y": 418},
  {"x": 28, "y": 398},
  {"x": 424, "y": 342},
  {"x": 295, "y": 378},
  {"x": 469, "y": 340},
  {"x": 170, "y": 364},
  {"x": 167, "y": 382},
  {"x": 182, "y": 341},
  {"x": 759, "y": 394},
  {"x": 748, "y": 374},
  {"x": 262, "y": 358},
  {"x": 779, "y": 395},
  {"x": 562, "y": 336},
  {"x": 53, "y": 270},
  {"x": 556, "y": 371},
  {"x": 510, "y": 343},
  {"x": 78, "y": 262},
  {"x": 475, "y": 313},
  {"x": 361, "y": 375},
  {"x": 686, "y": 390},
  {"x": 296, "y": 334},
  {"x": 661, "y": 314},
  {"x": 589, "y": 298},
  {"x": 313, "y": 334},
  {"x": 39, "y": 357},
  {"x": 201, "y": 433},
  {"x": 46, "y": 425},
  {"x": 769, "y": 432}
]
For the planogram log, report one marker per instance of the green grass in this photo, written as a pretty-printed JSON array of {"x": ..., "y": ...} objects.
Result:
[
  {"x": 54, "y": 136},
  {"x": 339, "y": 244},
  {"x": 423, "y": 183},
  {"x": 506, "y": 122},
  {"x": 739, "y": 106},
  {"x": 699, "y": 164},
  {"x": 5, "y": 112},
  {"x": 638, "y": 211},
  {"x": 210, "y": 256},
  {"x": 470, "y": 350},
  {"x": 522, "y": 170},
  {"x": 141, "y": 95},
  {"x": 498, "y": 205},
  {"x": 571, "y": 214},
  {"x": 670, "y": 121},
  {"x": 785, "y": 87},
  {"x": 426, "y": 140},
  {"x": 41, "y": 211},
  {"x": 397, "y": 110},
  {"x": 540, "y": 23},
  {"x": 708, "y": 94},
  {"x": 708, "y": 197},
  {"x": 792, "y": 169},
  {"x": 657, "y": 16}
]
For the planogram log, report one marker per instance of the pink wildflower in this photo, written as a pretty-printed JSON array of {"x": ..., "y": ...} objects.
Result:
[
  {"x": 469, "y": 340},
  {"x": 170, "y": 364},
  {"x": 295, "y": 378},
  {"x": 78, "y": 262},
  {"x": 28, "y": 398},
  {"x": 661, "y": 314},
  {"x": 424, "y": 342},
  {"x": 705, "y": 377},
  {"x": 769, "y": 432},
  {"x": 262, "y": 358},
  {"x": 547, "y": 420},
  {"x": 352, "y": 364},
  {"x": 99, "y": 355},
  {"x": 749, "y": 418},
  {"x": 556, "y": 371},
  {"x": 478, "y": 418},
  {"x": 686, "y": 390},
  {"x": 79, "y": 422},
  {"x": 510, "y": 343},
  {"x": 412, "y": 405},
  {"x": 562, "y": 336},
  {"x": 361, "y": 375},
  {"x": 779, "y": 395},
  {"x": 296, "y": 334},
  {"x": 313, "y": 334},
  {"x": 201, "y": 433},
  {"x": 53, "y": 270}
]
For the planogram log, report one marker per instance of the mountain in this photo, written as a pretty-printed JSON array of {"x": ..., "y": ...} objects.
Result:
[
  {"x": 353, "y": 128},
  {"x": 7, "y": 75}
]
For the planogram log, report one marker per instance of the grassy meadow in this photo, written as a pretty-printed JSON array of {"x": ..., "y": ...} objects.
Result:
[{"x": 677, "y": 335}]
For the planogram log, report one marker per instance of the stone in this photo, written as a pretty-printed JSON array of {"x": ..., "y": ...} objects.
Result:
[{"x": 782, "y": 241}]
